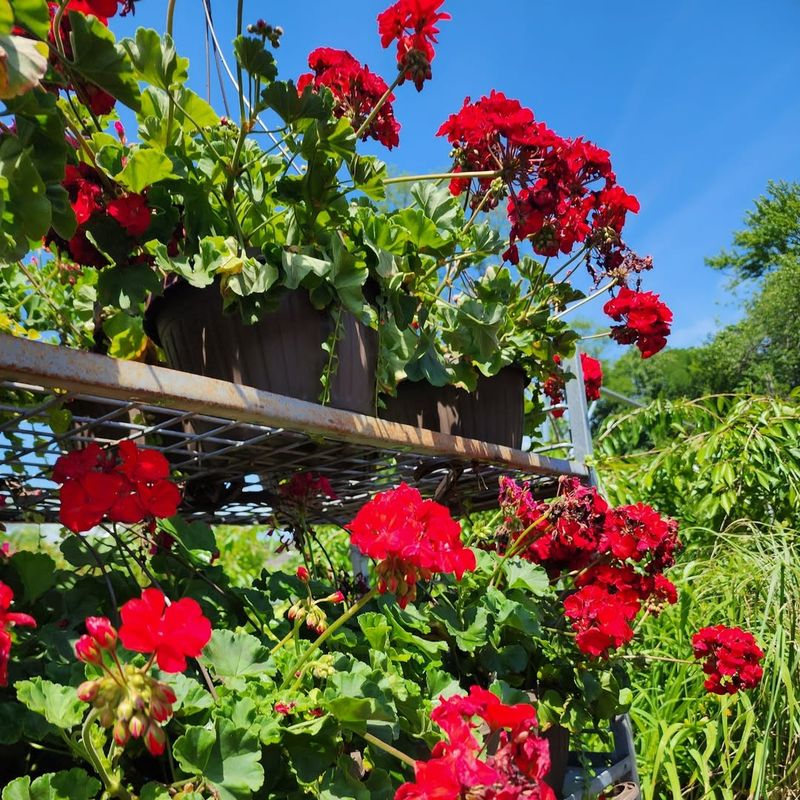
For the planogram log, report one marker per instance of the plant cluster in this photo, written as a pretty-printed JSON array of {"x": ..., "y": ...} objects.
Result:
[
  {"x": 441, "y": 680},
  {"x": 198, "y": 199}
]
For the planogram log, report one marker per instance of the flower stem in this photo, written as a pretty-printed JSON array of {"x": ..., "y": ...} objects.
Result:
[
  {"x": 372, "y": 114},
  {"x": 327, "y": 633},
  {"x": 603, "y": 335},
  {"x": 593, "y": 296},
  {"x": 387, "y": 748},
  {"x": 112, "y": 783},
  {"x": 666, "y": 659},
  {"x": 438, "y": 176},
  {"x": 517, "y": 546}
]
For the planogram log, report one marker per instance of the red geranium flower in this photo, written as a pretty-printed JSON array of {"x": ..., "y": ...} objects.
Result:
[
  {"x": 634, "y": 532},
  {"x": 356, "y": 91},
  {"x": 601, "y": 618},
  {"x": 515, "y": 770},
  {"x": 412, "y": 23},
  {"x": 172, "y": 633},
  {"x": 554, "y": 386},
  {"x": 731, "y": 658},
  {"x": 130, "y": 485},
  {"x": 132, "y": 213},
  {"x": 8, "y": 620},
  {"x": 412, "y": 538},
  {"x": 645, "y": 320}
]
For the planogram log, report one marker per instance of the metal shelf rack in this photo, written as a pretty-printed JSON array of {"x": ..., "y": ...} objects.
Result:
[{"x": 232, "y": 446}]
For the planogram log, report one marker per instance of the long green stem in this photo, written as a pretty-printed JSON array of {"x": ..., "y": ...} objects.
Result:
[
  {"x": 516, "y": 547},
  {"x": 114, "y": 787},
  {"x": 387, "y": 748},
  {"x": 170, "y": 16},
  {"x": 593, "y": 296},
  {"x": 437, "y": 176},
  {"x": 315, "y": 645},
  {"x": 372, "y": 114}
]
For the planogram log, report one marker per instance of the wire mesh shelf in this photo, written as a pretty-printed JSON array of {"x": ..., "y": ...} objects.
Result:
[{"x": 232, "y": 446}]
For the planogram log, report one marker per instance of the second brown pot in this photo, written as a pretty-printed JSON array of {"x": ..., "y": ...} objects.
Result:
[{"x": 494, "y": 412}]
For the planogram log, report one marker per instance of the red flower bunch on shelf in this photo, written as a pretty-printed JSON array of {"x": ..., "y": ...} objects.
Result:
[
  {"x": 515, "y": 771},
  {"x": 93, "y": 200},
  {"x": 731, "y": 658},
  {"x": 303, "y": 487},
  {"x": 357, "y": 91},
  {"x": 129, "y": 698},
  {"x": 562, "y": 191},
  {"x": 411, "y": 538},
  {"x": 412, "y": 23},
  {"x": 554, "y": 386},
  {"x": 130, "y": 486},
  {"x": 9, "y": 619},
  {"x": 645, "y": 320}
]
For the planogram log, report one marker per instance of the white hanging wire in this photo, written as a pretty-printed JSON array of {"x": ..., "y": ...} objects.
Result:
[{"x": 278, "y": 143}]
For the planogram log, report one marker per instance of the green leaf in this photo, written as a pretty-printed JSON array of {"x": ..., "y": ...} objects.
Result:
[
  {"x": 283, "y": 98},
  {"x": 438, "y": 205},
  {"x": 196, "y": 537},
  {"x": 144, "y": 168},
  {"x": 75, "y": 784},
  {"x": 102, "y": 61},
  {"x": 156, "y": 60},
  {"x": 298, "y": 265},
  {"x": 254, "y": 58},
  {"x": 126, "y": 287},
  {"x": 522, "y": 574},
  {"x": 23, "y": 63},
  {"x": 342, "y": 783},
  {"x": 36, "y": 571},
  {"x": 236, "y": 656},
  {"x": 28, "y": 201},
  {"x": 126, "y": 335},
  {"x": 6, "y": 17},
  {"x": 227, "y": 757},
  {"x": 34, "y": 16},
  {"x": 59, "y": 705}
]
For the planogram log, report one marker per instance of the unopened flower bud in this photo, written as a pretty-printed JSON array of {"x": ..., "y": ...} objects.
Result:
[
  {"x": 336, "y": 597},
  {"x": 302, "y": 574},
  {"x": 87, "y": 691},
  {"x": 121, "y": 733},
  {"x": 106, "y": 718},
  {"x": 88, "y": 651},
  {"x": 102, "y": 631},
  {"x": 137, "y": 725},
  {"x": 159, "y": 710},
  {"x": 155, "y": 740},
  {"x": 125, "y": 710}
]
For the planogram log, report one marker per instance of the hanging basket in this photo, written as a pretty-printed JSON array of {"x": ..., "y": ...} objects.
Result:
[
  {"x": 281, "y": 353},
  {"x": 494, "y": 412}
]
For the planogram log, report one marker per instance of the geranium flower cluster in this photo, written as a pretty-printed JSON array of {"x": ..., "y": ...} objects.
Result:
[
  {"x": 124, "y": 484},
  {"x": 515, "y": 770},
  {"x": 94, "y": 198},
  {"x": 555, "y": 385},
  {"x": 645, "y": 320},
  {"x": 304, "y": 487},
  {"x": 731, "y": 658},
  {"x": 411, "y": 538},
  {"x": 413, "y": 25},
  {"x": 97, "y": 100},
  {"x": 129, "y": 698},
  {"x": 356, "y": 90},
  {"x": 620, "y": 555},
  {"x": 8, "y": 620},
  {"x": 562, "y": 191}
]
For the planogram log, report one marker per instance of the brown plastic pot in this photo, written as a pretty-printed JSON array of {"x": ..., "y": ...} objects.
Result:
[
  {"x": 281, "y": 353},
  {"x": 494, "y": 412}
]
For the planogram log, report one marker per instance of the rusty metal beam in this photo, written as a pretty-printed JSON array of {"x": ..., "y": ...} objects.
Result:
[{"x": 87, "y": 373}]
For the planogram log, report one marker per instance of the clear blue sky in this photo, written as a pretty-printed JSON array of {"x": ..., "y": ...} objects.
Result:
[{"x": 698, "y": 102}]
